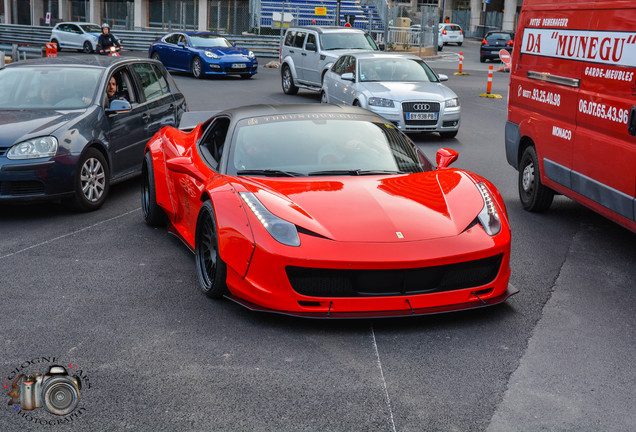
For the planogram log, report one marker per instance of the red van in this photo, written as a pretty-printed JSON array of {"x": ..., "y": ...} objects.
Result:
[{"x": 571, "y": 125}]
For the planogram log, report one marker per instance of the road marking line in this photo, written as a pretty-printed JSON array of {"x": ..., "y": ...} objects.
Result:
[
  {"x": 386, "y": 391},
  {"x": 68, "y": 234}
]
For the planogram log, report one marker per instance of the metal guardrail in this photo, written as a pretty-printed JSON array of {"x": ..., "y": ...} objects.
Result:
[{"x": 263, "y": 46}]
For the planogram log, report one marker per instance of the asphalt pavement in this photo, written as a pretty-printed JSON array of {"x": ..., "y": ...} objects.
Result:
[{"x": 119, "y": 300}]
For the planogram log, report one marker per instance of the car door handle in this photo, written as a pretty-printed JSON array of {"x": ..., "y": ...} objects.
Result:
[
  {"x": 305, "y": 54},
  {"x": 146, "y": 118},
  {"x": 631, "y": 123},
  {"x": 291, "y": 51}
]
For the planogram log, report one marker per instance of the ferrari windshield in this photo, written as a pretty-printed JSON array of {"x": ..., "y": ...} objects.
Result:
[
  {"x": 209, "y": 41},
  {"x": 395, "y": 69},
  {"x": 321, "y": 144},
  {"x": 347, "y": 40},
  {"x": 47, "y": 87}
]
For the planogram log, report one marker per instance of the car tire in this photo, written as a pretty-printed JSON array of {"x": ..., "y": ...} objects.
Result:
[
  {"x": 440, "y": 47},
  {"x": 356, "y": 103},
  {"x": 246, "y": 76},
  {"x": 533, "y": 195},
  {"x": 323, "y": 97},
  {"x": 155, "y": 56},
  {"x": 459, "y": 43},
  {"x": 92, "y": 181},
  {"x": 211, "y": 270},
  {"x": 287, "y": 81},
  {"x": 59, "y": 48},
  {"x": 448, "y": 135},
  {"x": 196, "y": 67},
  {"x": 482, "y": 59},
  {"x": 153, "y": 214},
  {"x": 88, "y": 48}
]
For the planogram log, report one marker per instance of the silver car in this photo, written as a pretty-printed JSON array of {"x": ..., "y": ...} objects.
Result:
[
  {"x": 76, "y": 35},
  {"x": 400, "y": 87}
]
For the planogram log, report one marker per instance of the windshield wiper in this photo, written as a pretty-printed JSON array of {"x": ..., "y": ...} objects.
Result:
[
  {"x": 355, "y": 172},
  {"x": 269, "y": 173}
]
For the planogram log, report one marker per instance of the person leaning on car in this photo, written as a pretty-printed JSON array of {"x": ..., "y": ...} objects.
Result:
[{"x": 106, "y": 40}]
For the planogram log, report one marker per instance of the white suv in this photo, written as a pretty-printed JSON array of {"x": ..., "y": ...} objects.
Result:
[{"x": 308, "y": 52}]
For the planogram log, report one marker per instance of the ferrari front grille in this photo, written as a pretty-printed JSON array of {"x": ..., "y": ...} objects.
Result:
[{"x": 318, "y": 282}]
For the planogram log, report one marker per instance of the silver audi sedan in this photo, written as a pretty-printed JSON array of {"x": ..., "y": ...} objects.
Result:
[{"x": 400, "y": 87}]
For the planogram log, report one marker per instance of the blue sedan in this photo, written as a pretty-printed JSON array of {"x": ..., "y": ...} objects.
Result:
[{"x": 202, "y": 54}]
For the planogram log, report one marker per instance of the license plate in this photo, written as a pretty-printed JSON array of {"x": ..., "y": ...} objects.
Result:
[
  {"x": 239, "y": 66},
  {"x": 421, "y": 116}
]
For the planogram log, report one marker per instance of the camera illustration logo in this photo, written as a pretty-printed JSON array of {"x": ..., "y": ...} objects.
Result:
[{"x": 57, "y": 391}]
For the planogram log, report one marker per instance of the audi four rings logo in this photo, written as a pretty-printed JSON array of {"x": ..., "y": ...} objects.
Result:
[{"x": 421, "y": 107}]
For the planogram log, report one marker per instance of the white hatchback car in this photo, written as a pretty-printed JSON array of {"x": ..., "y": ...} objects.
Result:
[
  {"x": 450, "y": 33},
  {"x": 76, "y": 35},
  {"x": 400, "y": 87}
]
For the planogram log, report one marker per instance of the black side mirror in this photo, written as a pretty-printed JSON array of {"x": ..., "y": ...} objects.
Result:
[
  {"x": 310, "y": 46},
  {"x": 382, "y": 46}
]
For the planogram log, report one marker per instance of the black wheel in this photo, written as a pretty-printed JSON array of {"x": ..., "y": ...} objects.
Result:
[
  {"x": 323, "y": 97},
  {"x": 92, "y": 181},
  {"x": 211, "y": 270},
  {"x": 534, "y": 196},
  {"x": 155, "y": 56},
  {"x": 153, "y": 214},
  {"x": 59, "y": 48},
  {"x": 287, "y": 81},
  {"x": 482, "y": 59},
  {"x": 246, "y": 76},
  {"x": 196, "y": 67},
  {"x": 356, "y": 103},
  {"x": 448, "y": 135},
  {"x": 88, "y": 48},
  {"x": 459, "y": 43},
  {"x": 440, "y": 47}
]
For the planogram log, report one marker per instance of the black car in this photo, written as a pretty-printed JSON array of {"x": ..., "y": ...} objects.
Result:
[
  {"x": 494, "y": 42},
  {"x": 65, "y": 136}
]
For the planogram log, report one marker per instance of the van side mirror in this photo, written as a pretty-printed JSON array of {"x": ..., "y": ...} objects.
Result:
[{"x": 310, "y": 46}]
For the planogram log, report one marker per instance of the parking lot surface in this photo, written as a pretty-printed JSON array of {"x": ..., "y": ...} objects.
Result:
[{"x": 120, "y": 301}]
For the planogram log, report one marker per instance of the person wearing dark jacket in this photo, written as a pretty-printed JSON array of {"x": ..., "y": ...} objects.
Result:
[{"x": 106, "y": 40}]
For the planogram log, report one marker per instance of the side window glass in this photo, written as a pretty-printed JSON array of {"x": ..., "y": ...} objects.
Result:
[
  {"x": 338, "y": 67},
  {"x": 214, "y": 142},
  {"x": 350, "y": 65},
  {"x": 300, "y": 40},
  {"x": 311, "y": 38},
  {"x": 123, "y": 88},
  {"x": 289, "y": 37},
  {"x": 74, "y": 29},
  {"x": 150, "y": 84},
  {"x": 170, "y": 39},
  {"x": 165, "y": 89}
]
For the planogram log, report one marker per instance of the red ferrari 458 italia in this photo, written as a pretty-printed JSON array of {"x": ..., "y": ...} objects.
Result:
[{"x": 326, "y": 211}]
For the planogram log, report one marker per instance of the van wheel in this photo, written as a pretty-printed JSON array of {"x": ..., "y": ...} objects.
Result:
[
  {"x": 534, "y": 196},
  {"x": 287, "y": 81}
]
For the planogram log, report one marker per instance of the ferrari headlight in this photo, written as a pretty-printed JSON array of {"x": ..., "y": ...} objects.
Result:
[
  {"x": 282, "y": 231},
  {"x": 488, "y": 216},
  {"x": 452, "y": 103},
  {"x": 35, "y": 148},
  {"x": 251, "y": 54},
  {"x": 211, "y": 55},
  {"x": 381, "y": 102}
]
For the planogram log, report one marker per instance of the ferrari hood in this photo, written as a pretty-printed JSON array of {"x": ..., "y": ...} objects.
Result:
[
  {"x": 410, "y": 207},
  {"x": 405, "y": 91},
  {"x": 21, "y": 125}
]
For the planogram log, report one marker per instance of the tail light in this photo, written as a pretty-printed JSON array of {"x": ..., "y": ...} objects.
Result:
[
  {"x": 484, "y": 42},
  {"x": 510, "y": 42},
  {"x": 460, "y": 32},
  {"x": 444, "y": 31}
]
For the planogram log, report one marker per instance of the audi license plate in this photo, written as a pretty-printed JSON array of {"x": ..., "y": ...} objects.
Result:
[
  {"x": 421, "y": 116},
  {"x": 239, "y": 66}
]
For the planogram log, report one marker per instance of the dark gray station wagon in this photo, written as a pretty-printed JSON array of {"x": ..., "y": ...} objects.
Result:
[{"x": 65, "y": 136}]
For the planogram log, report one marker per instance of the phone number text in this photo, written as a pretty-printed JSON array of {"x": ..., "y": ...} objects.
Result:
[{"x": 603, "y": 111}]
